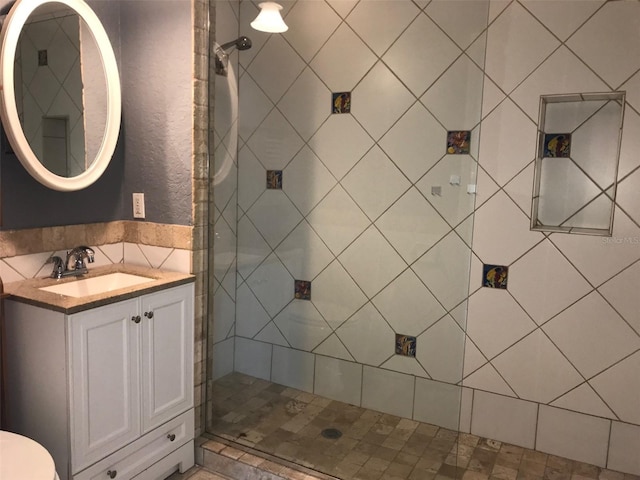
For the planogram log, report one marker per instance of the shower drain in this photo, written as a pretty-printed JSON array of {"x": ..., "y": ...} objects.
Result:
[{"x": 331, "y": 433}]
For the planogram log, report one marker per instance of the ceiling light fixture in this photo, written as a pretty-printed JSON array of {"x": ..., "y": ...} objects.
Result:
[{"x": 269, "y": 19}]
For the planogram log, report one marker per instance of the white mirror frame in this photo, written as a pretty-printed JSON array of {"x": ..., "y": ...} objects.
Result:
[{"x": 9, "y": 36}]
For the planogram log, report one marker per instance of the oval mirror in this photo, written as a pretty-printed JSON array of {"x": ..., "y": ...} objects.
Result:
[{"x": 60, "y": 96}]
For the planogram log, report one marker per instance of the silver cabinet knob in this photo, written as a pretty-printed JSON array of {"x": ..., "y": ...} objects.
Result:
[{"x": 112, "y": 473}]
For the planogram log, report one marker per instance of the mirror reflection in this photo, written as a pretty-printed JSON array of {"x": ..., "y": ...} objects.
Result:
[{"x": 60, "y": 90}]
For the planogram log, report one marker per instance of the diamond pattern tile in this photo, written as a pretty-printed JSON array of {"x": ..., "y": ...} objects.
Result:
[
  {"x": 518, "y": 39},
  {"x": 303, "y": 253},
  {"x": 375, "y": 183},
  {"x": 275, "y": 142},
  {"x": 441, "y": 350},
  {"x": 272, "y": 285},
  {"x": 307, "y": 37},
  {"x": 367, "y": 336},
  {"x": 599, "y": 42},
  {"x": 536, "y": 370},
  {"x": 302, "y": 325},
  {"x": 407, "y": 305},
  {"x": 274, "y": 216},
  {"x": 343, "y": 72},
  {"x": 607, "y": 385},
  {"x": 462, "y": 21},
  {"x": 592, "y": 335},
  {"x": 620, "y": 292},
  {"x": 380, "y": 23},
  {"x": 415, "y": 142},
  {"x": 563, "y": 285},
  {"x": 421, "y": 55},
  {"x": 307, "y": 180},
  {"x": 412, "y": 225},
  {"x": 376, "y": 112},
  {"x": 253, "y": 106},
  {"x": 249, "y": 314},
  {"x": 252, "y": 247},
  {"x": 338, "y": 220},
  {"x": 584, "y": 399},
  {"x": 372, "y": 276},
  {"x": 562, "y": 18}
]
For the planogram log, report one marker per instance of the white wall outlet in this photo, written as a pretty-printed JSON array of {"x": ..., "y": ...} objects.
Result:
[{"x": 138, "y": 205}]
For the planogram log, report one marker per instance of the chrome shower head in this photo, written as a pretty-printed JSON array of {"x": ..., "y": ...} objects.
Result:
[
  {"x": 222, "y": 57},
  {"x": 241, "y": 43}
]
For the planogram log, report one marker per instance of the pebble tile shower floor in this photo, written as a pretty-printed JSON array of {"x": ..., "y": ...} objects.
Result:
[{"x": 288, "y": 424}]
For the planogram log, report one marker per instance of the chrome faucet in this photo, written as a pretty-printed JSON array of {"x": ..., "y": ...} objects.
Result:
[{"x": 74, "y": 264}]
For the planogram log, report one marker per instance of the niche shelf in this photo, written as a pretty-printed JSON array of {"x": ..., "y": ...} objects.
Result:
[{"x": 576, "y": 167}]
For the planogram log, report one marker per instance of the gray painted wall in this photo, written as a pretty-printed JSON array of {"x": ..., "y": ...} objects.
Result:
[{"x": 153, "y": 44}]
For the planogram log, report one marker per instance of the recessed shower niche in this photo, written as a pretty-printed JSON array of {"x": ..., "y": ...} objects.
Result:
[{"x": 576, "y": 164}]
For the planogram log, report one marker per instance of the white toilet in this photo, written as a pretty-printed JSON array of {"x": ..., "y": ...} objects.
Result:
[{"x": 24, "y": 459}]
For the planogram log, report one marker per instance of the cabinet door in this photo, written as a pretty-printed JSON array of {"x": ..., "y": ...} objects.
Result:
[
  {"x": 167, "y": 355},
  {"x": 104, "y": 381}
]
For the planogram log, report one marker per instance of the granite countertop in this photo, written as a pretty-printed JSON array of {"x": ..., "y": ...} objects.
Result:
[{"x": 28, "y": 291}]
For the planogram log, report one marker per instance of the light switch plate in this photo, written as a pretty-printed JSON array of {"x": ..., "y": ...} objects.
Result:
[{"x": 138, "y": 205}]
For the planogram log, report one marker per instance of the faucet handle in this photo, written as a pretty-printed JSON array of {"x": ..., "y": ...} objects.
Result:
[{"x": 58, "y": 266}]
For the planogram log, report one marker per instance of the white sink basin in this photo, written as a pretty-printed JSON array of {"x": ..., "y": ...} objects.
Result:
[{"x": 96, "y": 285}]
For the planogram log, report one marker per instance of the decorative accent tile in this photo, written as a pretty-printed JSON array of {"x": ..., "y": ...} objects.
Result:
[
  {"x": 302, "y": 289},
  {"x": 458, "y": 142},
  {"x": 405, "y": 345},
  {"x": 274, "y": 179},
  {"x": 341, "y": 102},
  {"x": 557, "y": 145},
  {"x": 495, "y": 276},
  {"x": 42, "y": 58}
]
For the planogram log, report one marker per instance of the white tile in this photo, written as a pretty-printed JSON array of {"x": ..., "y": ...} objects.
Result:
[
  {"x": 516, "y": 39},
  {"x": 466, "y": 406},
  {"x": 492, "y": 96},
  {"x": 585, "y": 400},
  {"x": 179, "y": 260},
  {"x": 271, "y": 334},
  {"x": 29, "y": 265},
  {"x": 487, "y": 379},
  {"x": 416, "y": 142},
  {"x": 251, "y": 317},
  {"x": 252, "y": 178},
  {"x": 334, "y": 348},
  {"x": 462, "y": 20},
  {"x": 224, "y": 252},
  {"x": 504, "y": 419},
  {"x": 344, "y": 131},
  {"x": 272, "y": 285},
  {"x": 302, "y": 325},
  {"x": 252, "y": 247},
  {"x": 611, "y": 31},
  {"x": 252, "y": 358},
  {"x": 387, "y": 392},
  {"x": 573, "y": 435},
  {"x": 368, "y": 337},
  {"x": 508, "y": 142},
  {"x": 496, "y": 321},
  {"x": 224, "y": 310},
  {"x": 338, "y": 220},
  {"x": 9, "y": 274},
  {"x": 440, "y": 350},
  {"x": 134, "y": 256},
  {"x": 622, "y": 377},
  {"x": 624, "y": 447},
  {"x": 407, "y": 305},
  {"x": 335, "y": 295},
  {"x": 305, "y": 105},
  {"x": 113, "y": 252},
  {"x": 276, "y": 56},
  {"x": 536, "y": 370},
  {"x": 343, "y": 72},
  {"x": 379, "y": 23},
  {"x": 253, "y": 106},
  {"x": 563, "y": 285},
  {"x": 500, "y": 214},
  {"x": 473, "y": 358},
  {"x": 306, "y": 180},
  {"x": 310, "y": 25},
  {"x": 486, "y": 188},
  {"x": 225, "y": 176},
  {"x": 632, "y": 87},
  {"x": 561, "y": 73},
  {"x": 338, "y": 380},
  {"x": 520, "y": 189},
  {"x": 343, "y": 7},
  {"x": 372, "y": 276},
  {"x": 275, "y": 142},
  {"x": 421, "y": 54},
  {"x": 303, "y": 253},
  {"x": 274, "y": 216},
  {"x": 222, "y": 359},
  {"x": 453, "y": 203},
  {"x": 459, "y": 314},
  {"x": 563, "y": 18},
  {"x": 437, "y": 403},
  {"x": 455, "y": 98},
  {"x": 600, "y": 258},
  {"x": 592, "y": 335},
  {"x": 375, "y": 183},
  {"x": 621, "y": 293},
  {"x": 445, "y": 269},
  {"x": 630, "y": 144},
  {"x": 627, "y": 196},
  {"x": 293, "y": 368},
  {"x": 404, "y": 364},
  {"x": 376, "y": 112}
]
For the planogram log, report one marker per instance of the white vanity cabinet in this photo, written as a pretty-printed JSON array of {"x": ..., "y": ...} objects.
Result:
[{"x": 121, "y": 383}]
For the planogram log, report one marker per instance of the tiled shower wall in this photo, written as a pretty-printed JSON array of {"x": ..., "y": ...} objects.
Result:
[{"x": 373, "y": 213}]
